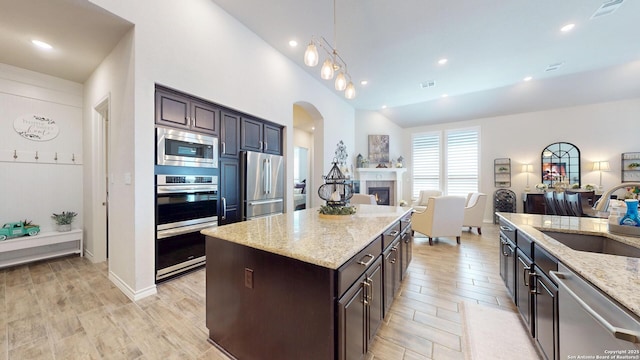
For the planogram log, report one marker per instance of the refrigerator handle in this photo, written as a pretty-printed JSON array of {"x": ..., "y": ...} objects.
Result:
[
  {"x": 224, "y": 208},
  {"x": 265, "y": 176},
  {"x": 269, "y": 175}
]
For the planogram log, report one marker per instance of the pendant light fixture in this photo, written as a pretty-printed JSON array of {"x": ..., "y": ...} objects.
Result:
[{"x": 332, "y": 64}]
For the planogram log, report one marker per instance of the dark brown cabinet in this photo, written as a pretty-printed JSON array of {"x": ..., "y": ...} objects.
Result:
[
  {"x": 178, "y": 110},
  {"x": 507, "y": 263},
  {"x": 229, "y": 135},
  {"x": 524, "y": 269},
  {"x": 257, "y": 135},
  {"x": 392, "y": 273},
  {"x": 360, "y": 312},
  {"x": 534, "y": 203},
  {"x": 229, "y": 192},
  {"x": 546, "y": 305}
]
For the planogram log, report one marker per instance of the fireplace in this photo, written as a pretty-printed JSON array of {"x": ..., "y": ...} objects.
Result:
[{"x": 381, "y": 194}]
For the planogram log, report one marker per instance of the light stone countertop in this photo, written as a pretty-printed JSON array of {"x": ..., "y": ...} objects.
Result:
[
  {"x": 304, "y": 236},
  {"x": 617, "y": 276}
]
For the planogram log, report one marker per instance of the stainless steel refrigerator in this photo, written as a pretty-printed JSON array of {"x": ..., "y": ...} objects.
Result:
[{"x": 262, "y": 184}]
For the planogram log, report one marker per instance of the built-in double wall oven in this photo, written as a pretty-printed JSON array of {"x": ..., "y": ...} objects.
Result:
[{"x": 185, "y": 204}]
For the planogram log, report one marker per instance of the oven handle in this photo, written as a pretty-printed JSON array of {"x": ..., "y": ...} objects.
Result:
[
  {"x": 185, "y": 189},
  {"x": 162, "y": 234},
  {"x": 253, "y": 203}
]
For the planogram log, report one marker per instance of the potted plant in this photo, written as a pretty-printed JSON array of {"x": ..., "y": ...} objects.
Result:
[{"x": 64, "y": 220}]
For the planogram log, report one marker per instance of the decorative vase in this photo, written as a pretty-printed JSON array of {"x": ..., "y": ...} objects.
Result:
[
  {"x": 631, "y": 218},
  {"x": 64, "y": 227}
]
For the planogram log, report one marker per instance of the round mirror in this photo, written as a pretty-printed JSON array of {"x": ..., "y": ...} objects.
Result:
[{"x": 561, "y": 163}]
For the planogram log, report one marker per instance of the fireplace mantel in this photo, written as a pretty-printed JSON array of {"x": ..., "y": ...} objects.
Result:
[{"x": 382, "y": 174}]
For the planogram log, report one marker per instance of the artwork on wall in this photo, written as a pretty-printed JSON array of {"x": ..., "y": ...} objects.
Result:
[
  {"x": 36, "y": 128},
  {"x": 379, "y": 148}
]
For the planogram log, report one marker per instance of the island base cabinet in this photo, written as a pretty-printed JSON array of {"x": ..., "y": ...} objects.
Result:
[
  {"x": 262, "y": 305},
  {"x": 360, "y": 312}
]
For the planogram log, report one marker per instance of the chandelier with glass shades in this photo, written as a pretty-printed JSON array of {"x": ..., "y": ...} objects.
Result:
[{"x": 334, "y": 64}]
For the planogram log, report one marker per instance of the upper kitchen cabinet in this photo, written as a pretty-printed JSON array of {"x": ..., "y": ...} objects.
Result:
[
  {"x": 229, "y": 135},
  {"x": 256, "y": 135},
  {"x": 182, "y": 111}
]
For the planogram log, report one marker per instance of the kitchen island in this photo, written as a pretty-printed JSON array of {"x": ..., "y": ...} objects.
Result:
[
  {"x": 574, "y": 283},
  {"x": 296, "y": 285},
  {"x": 617, "y": 276}
]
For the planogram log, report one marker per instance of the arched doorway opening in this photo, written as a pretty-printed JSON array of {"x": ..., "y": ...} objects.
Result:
[{"x": 307, "y": 143}]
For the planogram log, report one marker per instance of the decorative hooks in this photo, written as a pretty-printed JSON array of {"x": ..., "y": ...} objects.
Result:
[{"x": 15, "y": 154}]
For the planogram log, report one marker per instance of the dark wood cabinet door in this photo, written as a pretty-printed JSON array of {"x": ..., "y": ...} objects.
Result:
[
  {"x": 229, "y": 192},
  {"x": 523, "y": 288},
  {"x": 272, "y": 139},
  {"x": 375, "y": 299},
  {"x": 205, "y": 118},
  {"x": 172, "y": 109},
  {"x": 545, "y": 312},
  {"x": 229, "y": 135},
  {"x": 251, "y": 136},
  {"x": 406, "y": 247},
  {"x": 351, "y": 312}
]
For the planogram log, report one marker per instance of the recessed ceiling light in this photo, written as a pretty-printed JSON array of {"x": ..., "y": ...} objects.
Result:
[
  {"x": 364, "y": 82},
  {"x": 41, "y": 44},
  {"x": 528, "y": 78},
  {"x": 313, "y": 128},
  {"x": 293, "y": 43},
  {"x": 444, "y": 95},
  {"x": 442, "y": 61},
  {"x": 567, "y": 27},
  {"x": 384, "y": 106}
]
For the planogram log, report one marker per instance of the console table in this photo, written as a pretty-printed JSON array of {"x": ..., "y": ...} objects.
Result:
[{"x": 24, "y": 249}]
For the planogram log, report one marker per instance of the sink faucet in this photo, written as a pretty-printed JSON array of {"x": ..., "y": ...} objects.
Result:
[{"x": 601, "y": 205}]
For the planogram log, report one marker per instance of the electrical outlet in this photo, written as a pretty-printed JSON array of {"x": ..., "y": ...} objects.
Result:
[{"x": 248, "y": 278}]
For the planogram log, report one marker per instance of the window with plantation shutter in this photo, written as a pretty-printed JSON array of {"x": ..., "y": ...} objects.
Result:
[
  {"x": 426, "y": 162},
  {"x": 446, "y": 161},
  {"x": 461, "y": 154}
]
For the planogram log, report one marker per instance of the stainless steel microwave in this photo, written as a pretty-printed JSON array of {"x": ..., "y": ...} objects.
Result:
[{"x": 183, "y": 148}]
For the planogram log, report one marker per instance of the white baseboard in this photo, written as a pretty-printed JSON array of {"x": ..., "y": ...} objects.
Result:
[{"x": 129, "y": 292}]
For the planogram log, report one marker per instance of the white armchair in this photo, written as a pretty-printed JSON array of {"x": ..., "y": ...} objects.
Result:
[
  {"x": 421, "y": 203},
  {"x": 474, "y": 211},
  {"x": 363, "y": 199},
  {"x": 443, "y": 217}
]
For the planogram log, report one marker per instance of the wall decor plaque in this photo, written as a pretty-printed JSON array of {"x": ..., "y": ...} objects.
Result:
[{"x": 36, "y": 127}]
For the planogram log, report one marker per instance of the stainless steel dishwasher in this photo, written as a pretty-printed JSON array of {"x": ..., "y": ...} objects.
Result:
[{"x": 591, "y": 324}]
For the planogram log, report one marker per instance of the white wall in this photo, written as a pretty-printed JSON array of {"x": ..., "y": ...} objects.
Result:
[
  {"x": 201, "y": 50},
  {"x": 374, "y": 123},
  {"x": 601, "y": 131},
  {"x": 113, "y": 80},
  {"x": 34, "y": 189}
]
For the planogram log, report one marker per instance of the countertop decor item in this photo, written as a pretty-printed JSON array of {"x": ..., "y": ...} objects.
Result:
[
  {"x": 64, "y": 220},
  {"x": 335, "y": 190}
]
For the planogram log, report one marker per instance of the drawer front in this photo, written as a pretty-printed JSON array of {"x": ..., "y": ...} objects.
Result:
[
  {"x": 544, "y": 260},
  {"x": 390, "y": 235},
  {"x": 525, "y": 244},
  {"x": 405, "y": 222},
  {"x": 357, "y": 265},
  {"x": 508, "y": 230}
]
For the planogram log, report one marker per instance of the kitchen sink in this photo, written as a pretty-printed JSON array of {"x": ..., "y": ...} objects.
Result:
[{"x": 594, "y": 243}]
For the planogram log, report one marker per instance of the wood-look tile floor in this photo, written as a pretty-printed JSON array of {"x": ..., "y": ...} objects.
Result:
[{"x": 66, "y": 308}]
